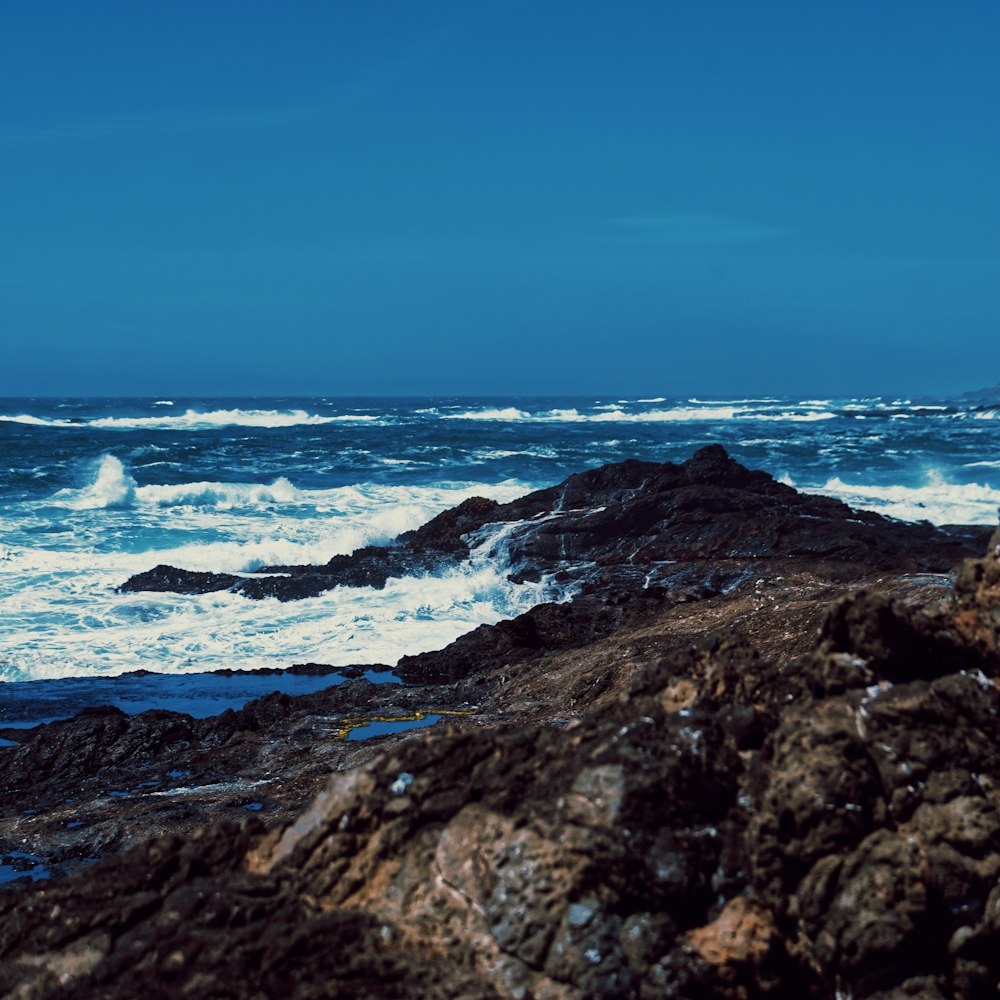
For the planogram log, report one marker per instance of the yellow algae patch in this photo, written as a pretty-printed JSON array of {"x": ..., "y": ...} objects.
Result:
[{"x": 347, "y": 725}]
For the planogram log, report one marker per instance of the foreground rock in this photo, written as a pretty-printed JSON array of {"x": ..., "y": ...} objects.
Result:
[
  {"x": 685, "y": 790},
  {"x": 724, "y": 829}
]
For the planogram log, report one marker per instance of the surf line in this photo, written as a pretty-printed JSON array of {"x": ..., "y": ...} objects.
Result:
[{"x": 347, "y": 725}]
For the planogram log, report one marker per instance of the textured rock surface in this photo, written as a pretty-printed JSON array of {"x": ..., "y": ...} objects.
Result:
[
  {"x": 670, "y": 792},
  {"x": 628, "y": 522}
]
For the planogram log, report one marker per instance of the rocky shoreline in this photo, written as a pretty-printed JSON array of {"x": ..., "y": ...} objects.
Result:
[{"x": 756, "y": 753}]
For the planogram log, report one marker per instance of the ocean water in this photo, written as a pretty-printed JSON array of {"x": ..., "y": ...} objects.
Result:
[{"x": 94, "y": 490}]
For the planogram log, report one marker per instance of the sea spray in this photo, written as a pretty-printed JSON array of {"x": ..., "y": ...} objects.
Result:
[
  {"x": 112, "y": 487},
  {"x": 74, "y": 624}
]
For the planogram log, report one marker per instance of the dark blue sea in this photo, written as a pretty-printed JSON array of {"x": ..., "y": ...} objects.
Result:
[{"x": 94, "y": 490}]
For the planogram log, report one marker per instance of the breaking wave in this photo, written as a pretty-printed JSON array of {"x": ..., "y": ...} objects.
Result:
[
  {"x": 197, "y": 420},
  {"x": 615, "y": 414},
  {"x": 185, "y": 634},
  {"x": 26, "y": 418},
  {"x": 68, "y": 620},
  {"x": 936, "y": 500},
  {"x": 113, "y": 486}
]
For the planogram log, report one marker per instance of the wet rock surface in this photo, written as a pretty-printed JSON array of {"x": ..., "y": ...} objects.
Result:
[
  {"x": 784, "y": 785},
  {"x": 630, "y": 521}
]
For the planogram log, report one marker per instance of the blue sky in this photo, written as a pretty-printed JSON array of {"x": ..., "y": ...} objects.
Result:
[{"x": 397, "y": 197}]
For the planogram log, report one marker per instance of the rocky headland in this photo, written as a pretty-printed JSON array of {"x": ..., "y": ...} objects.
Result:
[{"x": 756, "y": 753}]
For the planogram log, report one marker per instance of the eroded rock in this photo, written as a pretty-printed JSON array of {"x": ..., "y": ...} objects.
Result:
[{"x": 677, "y": 819}]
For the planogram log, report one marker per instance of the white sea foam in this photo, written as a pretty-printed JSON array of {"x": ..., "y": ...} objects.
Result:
[
  {"x": 65, "y": 618},
  {"x": 408, "y": 462},
  {"x": 614, "y": 415},
  {"x": 254, "y": 525},
  {"x": 486, "y": 454},
  {"x": 26, "y": 418},
  {"x": 222, "y": 496},
  {"x": 804, "y": 418},
  {"x": 936, "y": 500},
  {"x": 291, "y": 541},
  {"x": 193, "y": 420},
  {"x": 112, "y": 487},
  {"x": 507, "y": 413},
  {"x": 681, "y": 414},
  {"x": 196, "y": 420},
  {"x": 730, "y": 402},
  {"x": 182, "y": 634}
]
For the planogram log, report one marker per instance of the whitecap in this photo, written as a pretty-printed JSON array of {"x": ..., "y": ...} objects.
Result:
[
  {"x": 506, "y": 413},
  {"x": 198, "y": 420},
  {"x": 222, "y": 496},
  {"x": 804, "y": 418},
  {"x": 194, "y": 420},
  {"x": 615, "y": 415},
  {"x": 26, "y": 418},
  {"x": 936, "y": 500},
  {"x": 113, "y": 486},
  {"x": 680, "y": 415}
]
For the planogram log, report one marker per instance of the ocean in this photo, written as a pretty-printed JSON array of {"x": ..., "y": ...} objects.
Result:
[{"x": 95, "y": 490}]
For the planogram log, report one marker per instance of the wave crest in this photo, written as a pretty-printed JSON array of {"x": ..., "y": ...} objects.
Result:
[
  {"x": 936, "y": 500},
  {"x": 194, "y": 420},
  {"x": 197, "y": 420},
  {"x": 222, "y": 496},
  {"x": 112, "y": 487},
  {"x": 610, "y": 413}
]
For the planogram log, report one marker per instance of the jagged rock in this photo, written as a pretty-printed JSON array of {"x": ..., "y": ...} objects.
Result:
[
  {"x": 621, "y": 518},
  {"x": 543, "y": 629},
  {"x": 181, "y": 581},
  {"x": 544, "y": 861},
  {"x": 818, "y": 821},
  {"x": 977, "y": 588}
]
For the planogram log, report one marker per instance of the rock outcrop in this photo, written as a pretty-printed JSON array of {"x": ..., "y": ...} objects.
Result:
[
  {"x": 628, "y": 523},
  {"x": 642, "y": 807}
]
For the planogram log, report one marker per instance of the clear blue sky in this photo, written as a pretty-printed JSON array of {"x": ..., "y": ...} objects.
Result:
[{"x": 401, "y": 197}]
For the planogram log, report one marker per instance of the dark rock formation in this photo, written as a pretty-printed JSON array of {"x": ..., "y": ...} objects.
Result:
[
  {"x": 179, "y": 581},
  {"x": 629, "y": 813},
  {"x": 726, "y": 829},
  {"x": 628, "y": 521},
  {"x": 542, "y": 630}
]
